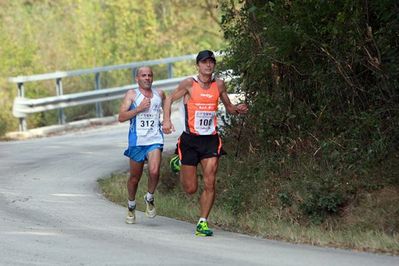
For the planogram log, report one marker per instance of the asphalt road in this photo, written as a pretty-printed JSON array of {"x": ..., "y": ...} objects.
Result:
[{"x": 51, "y": 213}]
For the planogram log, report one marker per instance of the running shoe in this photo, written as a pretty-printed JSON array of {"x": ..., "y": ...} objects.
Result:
[
  {"x": 175, "y": 164},
  {"x": 150, "y": 208},
  {"x": 203, "y": 230},
  {"x": 131, "y": 216}
]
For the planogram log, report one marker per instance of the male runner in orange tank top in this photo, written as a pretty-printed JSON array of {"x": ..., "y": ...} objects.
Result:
[{"x": 200, "y": 142}]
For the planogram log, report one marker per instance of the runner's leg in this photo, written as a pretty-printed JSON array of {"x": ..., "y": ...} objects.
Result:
[
  {"x": 209, "y": 168},
  {"x": 154, "y": 164},
  {"x": 188, "y": 178},
  {"x": 136, "y": 170}
]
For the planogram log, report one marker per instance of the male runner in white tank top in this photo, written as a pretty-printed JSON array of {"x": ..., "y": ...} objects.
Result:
[{"x": 142, "y": 106}]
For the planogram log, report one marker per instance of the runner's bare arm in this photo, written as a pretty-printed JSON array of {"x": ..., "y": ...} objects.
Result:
[
  {"x": 230, "y": 108},
  {"x": 124, "y": 113},
  {"x": 181, "y": 90},
  {"x": 163, "y": 97}
]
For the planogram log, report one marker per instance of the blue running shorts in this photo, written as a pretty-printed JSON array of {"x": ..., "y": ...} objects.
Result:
[{"x": 140, "y": 153}]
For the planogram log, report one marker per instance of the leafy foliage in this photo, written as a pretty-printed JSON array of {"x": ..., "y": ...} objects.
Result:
[
  {"x": 321, "y": 79},
  {"x": 46, "y": 36}
]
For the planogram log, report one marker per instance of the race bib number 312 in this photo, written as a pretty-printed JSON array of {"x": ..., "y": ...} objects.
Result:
[{"x": 145, "y": 122}]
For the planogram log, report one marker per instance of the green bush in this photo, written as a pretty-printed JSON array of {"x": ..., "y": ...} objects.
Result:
[{"x": 321, "y": 83}]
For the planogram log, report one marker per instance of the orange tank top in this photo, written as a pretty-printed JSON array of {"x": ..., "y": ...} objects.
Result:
[{"x": 200, "y": 110}]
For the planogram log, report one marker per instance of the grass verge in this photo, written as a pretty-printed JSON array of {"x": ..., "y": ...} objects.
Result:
[{"x": 353, "y": 229}]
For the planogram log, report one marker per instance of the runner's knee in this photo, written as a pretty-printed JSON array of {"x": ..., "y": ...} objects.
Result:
[
  {"x": 190, "y": 189},
  {"x": 154, "y": 172},
  {"x": 133, "y": 179},
  {"x": 209, "y": 187}
]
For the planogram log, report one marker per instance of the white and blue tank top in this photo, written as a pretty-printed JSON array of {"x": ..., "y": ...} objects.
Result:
[{"x": 145, "y": 127}]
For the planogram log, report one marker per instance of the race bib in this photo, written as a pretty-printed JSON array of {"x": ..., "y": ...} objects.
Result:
[
  {"x": 204, "y": 122},
  {"x": 145, "y": 122}
]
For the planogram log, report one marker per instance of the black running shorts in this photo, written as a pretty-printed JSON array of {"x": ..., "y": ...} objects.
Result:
[{"x": 193, "y": 148}]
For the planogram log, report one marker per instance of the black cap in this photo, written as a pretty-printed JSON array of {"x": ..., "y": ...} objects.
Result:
[{"x": 205, "y": 54}]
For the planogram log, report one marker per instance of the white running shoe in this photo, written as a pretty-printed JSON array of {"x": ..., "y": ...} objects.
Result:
[
  {"x": 150, "y": 208},
  {"x": 131, "y": 216}
]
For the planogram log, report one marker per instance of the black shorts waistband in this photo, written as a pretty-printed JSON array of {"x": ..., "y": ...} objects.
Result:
[{"x": 195, "y": 135}]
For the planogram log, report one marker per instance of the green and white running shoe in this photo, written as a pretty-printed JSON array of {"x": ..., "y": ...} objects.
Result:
[
  {"x": 203, "y": 230},
  {"x": 131, "y": 216},
  {"x": 149, "y": 208},
  {"x": 175, "y": 164}
]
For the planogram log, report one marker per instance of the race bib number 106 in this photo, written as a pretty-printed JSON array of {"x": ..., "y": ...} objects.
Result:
[{"x": 204, "y": 122}]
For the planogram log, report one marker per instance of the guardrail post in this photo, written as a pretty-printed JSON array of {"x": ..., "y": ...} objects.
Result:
[
  {"x": 99, "y": 108},
  {"x": 22, "y": 121},
  {"x": 60, "y": 91},
  {"x": 21, "y": 89},
  {"x": 170, "y": 70}
]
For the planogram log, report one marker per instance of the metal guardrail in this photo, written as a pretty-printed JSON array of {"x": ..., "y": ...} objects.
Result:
[
  {"x": 80, "y": 72},
  {"x": 24, "y": 106}
]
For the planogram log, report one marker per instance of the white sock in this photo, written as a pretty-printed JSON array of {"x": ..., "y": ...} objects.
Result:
[
  {"x": 131, "y": 204},
  {"x": 150, "y": 196},
  {"x": 202, "y": 219}
]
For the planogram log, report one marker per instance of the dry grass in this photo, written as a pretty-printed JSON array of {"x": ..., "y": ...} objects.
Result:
[{"x": 364, "y": 225}]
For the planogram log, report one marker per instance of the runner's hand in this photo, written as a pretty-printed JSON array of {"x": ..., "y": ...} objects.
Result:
[
  {"x": 167, "y": 127},
  {"x": 241, "y": 108},
  {"x": 145, "y": 104}
]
